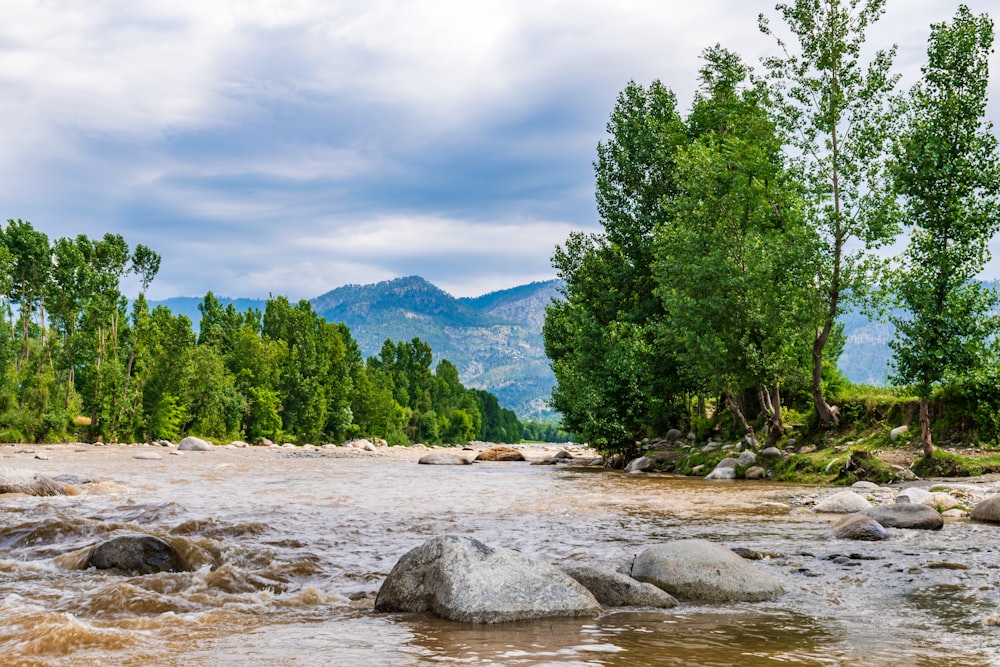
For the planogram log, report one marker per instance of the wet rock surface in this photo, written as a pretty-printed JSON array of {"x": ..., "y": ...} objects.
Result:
[
  {"x": 462, "y": 579},
  {"x": 703, "y": 570},
  {"x": 29, "y": 483},
  {"x": 613, "y": 589},
  {"x": 906, "y": 515},
  {"x": 136, "y": 554},
  {"x": 443, "y": 459}
]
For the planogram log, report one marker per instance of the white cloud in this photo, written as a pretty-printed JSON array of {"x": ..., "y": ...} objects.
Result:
[{"x": 287, "y": 147}]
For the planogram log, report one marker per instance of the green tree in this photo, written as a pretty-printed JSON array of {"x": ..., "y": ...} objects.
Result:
[
  {"x": 734, "y": 262},
  {"x": 837, "y": 111},
  {"x": 615, "y": 381},
  {"x": 30, "y": 268},
  {"x": 948, "y": 172}
]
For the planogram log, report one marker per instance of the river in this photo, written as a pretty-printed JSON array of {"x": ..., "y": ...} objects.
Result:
[{"x": 290, "y": 548}]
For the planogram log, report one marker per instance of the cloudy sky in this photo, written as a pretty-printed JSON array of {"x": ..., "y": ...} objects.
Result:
[{"x": 292, "y": 146}]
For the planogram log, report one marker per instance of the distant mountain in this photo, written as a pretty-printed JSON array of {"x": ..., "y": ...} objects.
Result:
[{"x": 494, "y": 340}]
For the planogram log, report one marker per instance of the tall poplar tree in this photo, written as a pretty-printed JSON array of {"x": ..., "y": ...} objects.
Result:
[
  {"x": 948, "y": 172},
  {"x": 734, "y": 263},
  {"x": 836, "y": 110}
]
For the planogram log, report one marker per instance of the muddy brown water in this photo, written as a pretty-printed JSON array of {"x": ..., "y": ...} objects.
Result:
[{"x": 289, "y": 549}]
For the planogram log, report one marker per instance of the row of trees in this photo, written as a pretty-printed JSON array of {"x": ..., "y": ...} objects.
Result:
[
  {"x": 78, "y": 360},
  {"x": 734, "y": 237}
]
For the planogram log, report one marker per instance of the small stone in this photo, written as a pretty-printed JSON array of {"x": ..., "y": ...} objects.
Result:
[
  {"x": 895, "y": 433},
  {"x": 444, "y": 459},
  {"x": 755, "y": 472},
  {"x": 844, "y": 502},
  {"x": 859, "y": 527},
  {"x": 913, "y": 494},
  {"x": 148, "y": 456}
]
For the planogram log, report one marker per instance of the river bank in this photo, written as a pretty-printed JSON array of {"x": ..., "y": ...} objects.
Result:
[{"x": 295, "y": 544}]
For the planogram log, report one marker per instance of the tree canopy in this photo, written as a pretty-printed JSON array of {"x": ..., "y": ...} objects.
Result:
[{"x": 80, "y": 360}]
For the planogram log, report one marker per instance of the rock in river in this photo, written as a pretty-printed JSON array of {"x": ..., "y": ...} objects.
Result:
[
  {"x": 29, "y": 483},
  {"x": 906, "y": 515},
  {"x": 500, "y": 454},
  {"x": 859, "y": 527},
  {"x": 613, "y": 589},
  {"x": 844, "y": 502},
  {"x": 703, "y": 570},
  {"x": 193, "y": 444},
  {"x": 988, "y": 510},
  {"x": 139, "y": 554},
  {"x": 443, "y": 459},
  {"x": 462, "y": 579}
]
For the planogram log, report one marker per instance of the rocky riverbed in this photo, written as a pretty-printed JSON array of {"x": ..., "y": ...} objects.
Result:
[{"x": 286, "y": 550}]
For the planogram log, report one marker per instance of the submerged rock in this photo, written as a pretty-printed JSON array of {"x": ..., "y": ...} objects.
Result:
[
  {"x": 28, "y": 482},
  {"x": 906, "y": 515},
  {"x": 193, "y": 444},
  {"x": 138, "y": 554},
  {"x": 702, "y": 570},
  {"x": 443, "y": 459},
  {"x": 462, "y": 579}
]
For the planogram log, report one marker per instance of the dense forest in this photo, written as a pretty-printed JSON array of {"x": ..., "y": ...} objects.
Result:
[
  {"x": 735, "y": 236},
  {"x": 79, "y": 360}
]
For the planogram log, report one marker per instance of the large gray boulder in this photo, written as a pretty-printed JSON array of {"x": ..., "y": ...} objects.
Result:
[
  {"x": 641, "y": 464},
  {"x": 702, "y": 570},
  {"x": 987, "y": 510},
  {"x": 613, "y": 589},
  {"x": 859, "y": 527},
  {"x": 724, "y": 469},
  {"x": 193, "y": 444},
  {"x": 462, "y": 579},
  {"x": 844, "y": 502},
  {"x": 443, "y": 459},
  {"x": 906, "y": 515},
  {"x": 28, "y": 482},
  {"x": 746, "y": 459},
  {"x": 136, "y": 554}
]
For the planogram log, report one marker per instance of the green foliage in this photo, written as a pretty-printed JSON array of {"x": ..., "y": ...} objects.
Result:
[
  {"x": 948, "y": 464},
  {"x": 284, "y": 373},
  {"x": 947, "y": 170},
  {"x": 542, "y": 432},
  {"x": 615, "y": 381},
  {"x": 838, "y": 113},
  {"x": 735, "y": 261}
]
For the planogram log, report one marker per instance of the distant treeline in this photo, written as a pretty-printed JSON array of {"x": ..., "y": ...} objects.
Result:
[{"x": 78, "y": 361}]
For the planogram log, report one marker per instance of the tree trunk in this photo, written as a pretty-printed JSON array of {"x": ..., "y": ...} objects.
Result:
[
  {"x": 827, "y": 417},
  {"x": 737, "y": 412},
  {"x": 925, "y": 426},
  {"x": 777, "y": 429}
]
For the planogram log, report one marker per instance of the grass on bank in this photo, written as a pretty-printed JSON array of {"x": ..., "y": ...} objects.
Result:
[{"x": 965, "y": 428}]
